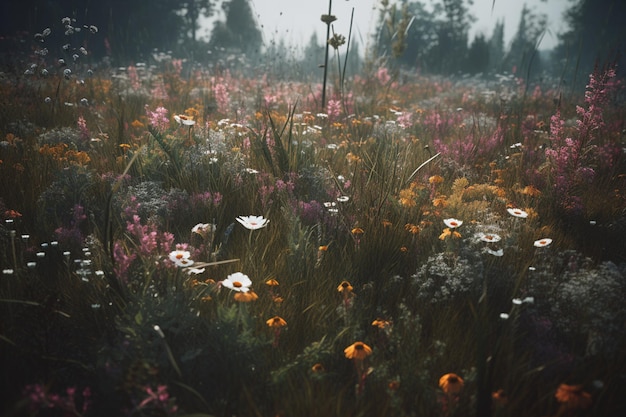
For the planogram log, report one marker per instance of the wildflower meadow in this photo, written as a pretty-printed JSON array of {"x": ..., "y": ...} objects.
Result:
[{"x": 191, "y": 240}]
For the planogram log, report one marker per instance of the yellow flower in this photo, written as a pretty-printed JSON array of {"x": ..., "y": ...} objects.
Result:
[
  {"x": 358, "y": 351},
  {"x": 531, "y": 191},
  {"x": 407, "y": 198},
  {"x": 449, "y": 233},
  {"x": 435, "y": 179},
  {"x": 440, "y": 201},
  {"x": 451, "y": 384},
  {"x": 412, "y": 228}
]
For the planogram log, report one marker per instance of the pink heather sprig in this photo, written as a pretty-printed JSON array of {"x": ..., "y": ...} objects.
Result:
[
  {"x": 333, "y": 109},
  {"x": 572, "y": 158},
  {"x": 382, "y": 75},
  {"x": 158, "y": 118},
  {"x": 133, "y": 77},
  {"x": 405, "y": 120},
  {"x": 69, "y": 405},
  {"x": 151, "y": 241},
  {"x": 123, "y": 261},
  {"x": 83, "y": 130},
  {"x": 159, "y": 91},
  {"x": 597, "y": 94},
  {"x": 222, "y": 97},
  {"x": 159, "y": 399}
]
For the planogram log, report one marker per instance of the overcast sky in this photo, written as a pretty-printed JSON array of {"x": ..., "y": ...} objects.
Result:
[{"x": 296, "y": 20}]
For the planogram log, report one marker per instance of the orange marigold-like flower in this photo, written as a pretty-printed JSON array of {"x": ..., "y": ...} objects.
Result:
[
  {"x": 412, "y": 228},
  {"x": 271, "y": 282},
  {"x": 440, "y": 201},
  {"x": 357, "y": 231},
  {"x": 499, "y": 398},
  {"x": 245, "y": 297},
  {"x": 317, "y": 368},
  {"x": 435, "y": 179},
  {"x": 358, "y": 351},
  {"x": 449, "y": 233},
  {"x": 381, "y": 324},
  {"x": 531, "y": 191},
  {"x": 451, "y": 384},
  {"x": 407, "y": 198},
  {"x": 345, "y": 287},
  {"x": 276, "y": 322},
  {"x": 573, "y": 397}
]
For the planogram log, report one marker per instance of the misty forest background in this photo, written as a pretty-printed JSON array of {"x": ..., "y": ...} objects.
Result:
[{"x": 411, "y": 35}]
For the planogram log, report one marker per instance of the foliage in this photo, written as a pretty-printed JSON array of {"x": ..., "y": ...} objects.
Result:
[{"x": 209, "y": 243}]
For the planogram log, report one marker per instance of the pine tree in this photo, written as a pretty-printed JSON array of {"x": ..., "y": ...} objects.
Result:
[
  {"x": 239, "y": 32},
  {"x": 496, "y": 48},
  {"x": 596, "y": 37}
]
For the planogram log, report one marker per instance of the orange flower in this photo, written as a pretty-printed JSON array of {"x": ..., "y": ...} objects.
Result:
[
  {"x": 412, "y": 228},
  {"x": 499, "y": 398},
  {"x": 381, "y": 324},
  {"x": 345, "y": 287},
  {"x": 386, "y": 223},
  {"x": 358, "y": 351},
  {"x": 451, "y": 384},
  {"x": 531, "y": 191},
  {"x": 435, "y": 179},
  {"x": 276, "y": 322},
  {"x": 323, "y": 248},
  {"x": 357, "y": 231},
  {"x": 393, "y": 385},
  {"x": 449, "y": 233},
  {"x": 245, "y": 297},
  {"x": 407, "y": 198},
  {"x": 440, "y": 201},
  {"x": 317, "y": 368},
  {"x": 352, "y": 157},
  {"x": 271, "y": 282},
  {"x": 573, "y": 397}
]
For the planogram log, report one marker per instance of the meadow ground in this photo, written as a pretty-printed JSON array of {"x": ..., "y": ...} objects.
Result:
[{"x": 190, "y": 241}]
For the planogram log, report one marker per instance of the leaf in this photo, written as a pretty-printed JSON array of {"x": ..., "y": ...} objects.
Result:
[{"x": 139, "y": 318}]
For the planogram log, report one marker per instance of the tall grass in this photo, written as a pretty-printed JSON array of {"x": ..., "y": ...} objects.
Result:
[{"x": 98, "y": 319}]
